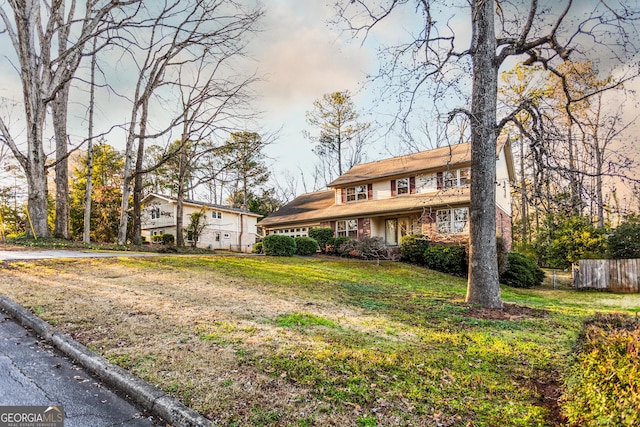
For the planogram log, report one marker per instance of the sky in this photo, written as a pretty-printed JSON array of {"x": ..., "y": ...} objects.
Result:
[{"x": 299, "y": 56}]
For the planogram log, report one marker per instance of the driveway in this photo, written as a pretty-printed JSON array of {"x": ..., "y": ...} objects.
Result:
[{"x": 18, "y": 255}]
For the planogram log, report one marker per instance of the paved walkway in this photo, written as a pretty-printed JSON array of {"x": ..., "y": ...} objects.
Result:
[{"x": 36, "y": 374}]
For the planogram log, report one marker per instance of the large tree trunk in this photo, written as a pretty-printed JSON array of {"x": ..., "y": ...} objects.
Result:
[
  {"x": 59, "y": 114},
  {"x": 483, "y": 287},
  {"x": 37, "y": 187}
]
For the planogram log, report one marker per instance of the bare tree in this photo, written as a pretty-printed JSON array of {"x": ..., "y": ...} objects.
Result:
[
  {"x": 34, "y": 29},
  {"x": 182, "y": 32},
  {"x": 500, "y": 30},
  {"x": 86, "y": 235}
]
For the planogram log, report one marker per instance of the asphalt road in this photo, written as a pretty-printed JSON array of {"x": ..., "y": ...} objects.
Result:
[{"x": 34, "y": 373}]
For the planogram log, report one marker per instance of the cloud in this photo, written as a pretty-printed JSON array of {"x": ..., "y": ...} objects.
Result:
[{"x": 300, "y": 58}]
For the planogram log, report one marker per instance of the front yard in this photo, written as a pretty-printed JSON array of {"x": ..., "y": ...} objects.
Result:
[{"x": 259, "y": 341}]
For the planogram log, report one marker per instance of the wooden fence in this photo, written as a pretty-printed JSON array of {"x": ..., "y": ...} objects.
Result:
[{"x": 608, "y": 275}]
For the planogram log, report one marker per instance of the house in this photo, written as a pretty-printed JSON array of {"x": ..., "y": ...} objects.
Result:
[
  {"x": 226, "y": 228},
  {"x": 423, "y": 193}
]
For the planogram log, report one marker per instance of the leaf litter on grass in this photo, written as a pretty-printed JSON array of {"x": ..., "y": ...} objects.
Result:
[{"x": 264, "y": 341}]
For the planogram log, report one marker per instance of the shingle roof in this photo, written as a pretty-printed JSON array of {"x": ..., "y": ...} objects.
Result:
[
  {"x": 450, "y": 155},
  {"x": 319, "y": 206},
  {"x": 172, "y": 199},
  {"x": 306, "y": 206}
]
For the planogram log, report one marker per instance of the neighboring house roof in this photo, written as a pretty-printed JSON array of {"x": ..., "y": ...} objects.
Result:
[
  {"x": 457, "y": 155},
  {"x": 320, "y": 206},
  {"x": 169, "y": 199}
]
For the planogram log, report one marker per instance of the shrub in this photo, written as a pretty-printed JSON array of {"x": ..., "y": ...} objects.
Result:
[
  {"x": 501, "y": 250},
  {"x": 279, "y": 245},
  {"x": 322, "y": 235},
  {"x": 257, "y": 248},
  {"x": 366, "y": 248},
  {"x": 447, "y": 259},
  {"x": 624, "y": 242},
  {"x": 335, "y": 245},
  {"x": 576, "y": 239},
  {"x": 160, "y": 239},
  {"x": 306, "y": 246},
  {"x": 602, "y": 387},
  {"x": 413, "y": 247},
  {"x": 521, "y": 272},
  {"x": 168, "y": 239}
]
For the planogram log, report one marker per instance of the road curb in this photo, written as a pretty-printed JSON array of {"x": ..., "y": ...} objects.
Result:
[{"x": 150, "y": 398}]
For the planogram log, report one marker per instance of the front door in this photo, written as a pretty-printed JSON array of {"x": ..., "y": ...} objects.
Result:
[
  {"x": 391, "y": 231},
  {"x": 395, "y": 228}
]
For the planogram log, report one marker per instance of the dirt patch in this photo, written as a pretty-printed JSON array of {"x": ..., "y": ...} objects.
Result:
[
  {"x": 550, "y": 392},
  {"x": 508, "y": 312}
]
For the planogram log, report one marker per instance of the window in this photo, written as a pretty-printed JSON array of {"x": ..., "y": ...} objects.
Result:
[
  {"x": 454, "y": 178},
  {"x": 402, "y": 186},
  {"x": 347, "y": 228},
  {"x": 357, "y": 193},
  {"x": 215, "y": 215},
  {"x": 155, "y": 212},
  {"x": 452, "y": 221}
]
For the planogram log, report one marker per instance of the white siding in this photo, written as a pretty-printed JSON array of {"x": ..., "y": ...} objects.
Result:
[
  {"x": 233, "y": 231},
  {"x": 381, "y": 190},
  {"x": 427, "y": 183},
  {"x": 503, "y": 186}
]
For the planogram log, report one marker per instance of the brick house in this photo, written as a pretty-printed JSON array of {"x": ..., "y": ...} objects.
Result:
[{"x": 422, "y": 193}]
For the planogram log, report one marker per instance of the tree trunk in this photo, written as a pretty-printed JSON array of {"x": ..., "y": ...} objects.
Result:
[
  {"x": 179, "y": 215},
  {"x": 483, "y": 287},
  {"x": 136, "y": 211},
  {"x": 523, "y": 194},
  {"x": 86, "y": 235},
  {"x": 37, "y": 189},
  {"x": 59, "y": 114},
  {"x": 126, "y": 186}
]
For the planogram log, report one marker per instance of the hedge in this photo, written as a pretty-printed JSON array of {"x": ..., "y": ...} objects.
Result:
[
  {"x": 412, "y": 247},
  {"x": 306, "y": 245},
  {"x": 279, "y": 245},
  {"x": 447, "y": 259},
  {"x": 322, "y": 235},
  {"x": 521, "y": 272},
  {"x": 602, "y": 388}
]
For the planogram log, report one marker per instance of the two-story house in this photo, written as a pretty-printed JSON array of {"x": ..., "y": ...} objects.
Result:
[
  {"x": 225, "y": 227},
  {"x": 423, "y": 193}
]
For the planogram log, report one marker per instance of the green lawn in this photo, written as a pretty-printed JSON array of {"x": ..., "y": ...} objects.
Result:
[{"x": 260, "y": 341}]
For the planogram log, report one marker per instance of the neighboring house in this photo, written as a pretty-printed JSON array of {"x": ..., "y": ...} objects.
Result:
[
  {"x": 226, "y": 228},
  {"x": 423, "y": 193}
]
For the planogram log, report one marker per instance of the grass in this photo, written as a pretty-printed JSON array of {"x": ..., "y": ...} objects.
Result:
[{"x": 260, "y": 341}]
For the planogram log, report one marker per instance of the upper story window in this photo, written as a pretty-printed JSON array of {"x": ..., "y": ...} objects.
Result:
[
  {"x": 217, "y": 215},
  {"x": 454, "y": 178},
  {"x": 357, "y": 193},
  {"x": 403, "y": 186},
  {"x": 155, "y": 212}
]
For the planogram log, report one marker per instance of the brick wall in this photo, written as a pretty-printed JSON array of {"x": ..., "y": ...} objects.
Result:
[{"x": 503, "y": 227}]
